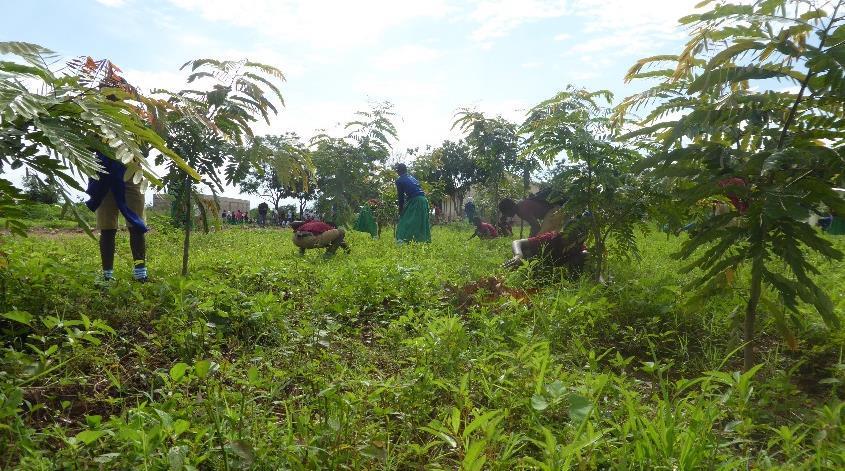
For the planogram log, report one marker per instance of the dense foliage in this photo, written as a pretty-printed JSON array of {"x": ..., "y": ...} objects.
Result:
[
  {"x": 434, "y": 356},
  {"x": 394, "y": 358},
  {"x": 773, "y": 151}
]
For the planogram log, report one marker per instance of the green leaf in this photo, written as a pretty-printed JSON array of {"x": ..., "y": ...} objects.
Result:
[
  {"x": 177, "y": 371},
  {"x": 244, "y": 451},
  {"x": 724, "y": 76},
  {"x": 555, "y": 389},
  {"x": 201, "y": 368},
  {"x": 89, "y": 436},
  {"x": 539, "y": 403},
  {"x": 180, "y": 426},
  {"x": 22, "y": 317},
  {"x": 252, "y": 375},
  {"x": 579, "y": 407}
]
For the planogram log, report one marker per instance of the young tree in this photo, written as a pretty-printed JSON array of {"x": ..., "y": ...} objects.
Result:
[
  {"x": 772, "y": 150},
  {"x": 51, "y": 122},
  {"x": 594, "y": 175},
  {"x": 494, "y": 144},
  {"x": 347, "y": 168},
  {"x": 210, "y": 124}
]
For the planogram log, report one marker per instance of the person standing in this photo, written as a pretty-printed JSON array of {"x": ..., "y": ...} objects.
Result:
[
  {"x": 262, "y": 213},
  {"x": 110, "y": 195},
  {"x": 469, "y": 210},
  {"x": 413, "y": 223}
]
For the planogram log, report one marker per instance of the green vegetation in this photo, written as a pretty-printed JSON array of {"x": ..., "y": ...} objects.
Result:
[
  {"x": 719, "y": 348},
  {"x": 395, "y": 358}
]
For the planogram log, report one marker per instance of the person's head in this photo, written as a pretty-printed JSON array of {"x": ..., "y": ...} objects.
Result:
[
  {"x": 476, "y": 220},
  {"x": 295, "y": 224},
  {"x": 507, "y": 207},
  {"x": 401, "y": 169},
  {"x": 469, "y": 199}
]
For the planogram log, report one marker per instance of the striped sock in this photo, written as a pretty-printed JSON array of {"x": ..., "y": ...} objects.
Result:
[
  {"x": 108, "y": 274},
  {"x": 140, "y": 273}
]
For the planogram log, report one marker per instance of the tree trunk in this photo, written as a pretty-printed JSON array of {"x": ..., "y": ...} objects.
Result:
[
  {"x": 188, "y": 223},
  {"x": 751, "y": 310}
]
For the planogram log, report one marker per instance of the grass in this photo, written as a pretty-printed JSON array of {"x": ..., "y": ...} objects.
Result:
[{"x": 396, "y": 358}]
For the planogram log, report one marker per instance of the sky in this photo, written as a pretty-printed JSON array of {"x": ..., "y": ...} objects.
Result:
[{"x": 428, "y": 57}]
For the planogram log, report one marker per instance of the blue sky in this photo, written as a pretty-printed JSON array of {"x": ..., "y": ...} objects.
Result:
[{"x": 429, "y": 57}]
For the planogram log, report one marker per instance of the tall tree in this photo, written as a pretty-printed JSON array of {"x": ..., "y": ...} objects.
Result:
[
  {"x": 494, "y": 144},
  {"x": 282, "y": 170},
  {"x": 347, "y": 168},
  {"x": 729, "y": 129}
]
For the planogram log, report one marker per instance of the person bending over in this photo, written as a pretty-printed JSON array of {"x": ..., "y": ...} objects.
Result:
[
  {"x": 318, "y": 235},
  {"x": 540, "y": 215},
  {"x": 564, "y": 248},
  {"x": 484, "y": 230}
]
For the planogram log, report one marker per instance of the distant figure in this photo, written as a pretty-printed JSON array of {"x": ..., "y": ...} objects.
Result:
[
  {"x": 534, "y": 210},
  {"x": 469, "y": 210},
  {"x": 564, "y": 248},
  {"x": 262, "y": 213},
  {"x": 413, "y": 218},
  {"x": 111, "y": 195},
  {"x": 317, "y": 235},
  {"x": 484, "y": 230},
  {"x": 366, "y": 222}
]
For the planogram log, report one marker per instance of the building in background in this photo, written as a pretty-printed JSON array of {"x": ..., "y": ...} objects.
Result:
[{"x": 161, "y": 202}]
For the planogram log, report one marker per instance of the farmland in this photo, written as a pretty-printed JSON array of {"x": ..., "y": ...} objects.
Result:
[{"x": 396, "y": 358}]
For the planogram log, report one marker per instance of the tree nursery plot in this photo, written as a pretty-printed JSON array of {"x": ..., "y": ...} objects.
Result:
[
  {"x": 653, "y": 281},
  {"x": 396, "y": 358}
]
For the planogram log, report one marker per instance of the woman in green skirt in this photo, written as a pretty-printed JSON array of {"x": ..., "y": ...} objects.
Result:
[
  {"x": 413, "y": 216},
  {"x": 366, "y": 222}
]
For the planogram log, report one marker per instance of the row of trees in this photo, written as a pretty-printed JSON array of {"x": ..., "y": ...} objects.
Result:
[{"x": 749, "y": 113}]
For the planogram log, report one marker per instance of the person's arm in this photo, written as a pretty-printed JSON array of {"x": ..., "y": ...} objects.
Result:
[
  {"x": 473, "y": 234},
  {"x": 518, "y": 253}
]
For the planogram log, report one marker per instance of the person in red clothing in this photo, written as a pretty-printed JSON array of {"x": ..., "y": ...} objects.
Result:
[
  {"x": 731, "y": 185},
  {"x": 484, "y": 230},
  {"x": 564, "y": 248},
  {"x": 317, "y": 235}
]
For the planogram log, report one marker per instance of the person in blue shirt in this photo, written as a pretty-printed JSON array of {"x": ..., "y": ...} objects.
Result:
[
  {"x": 109, "y": 196},
  {"x": 413, "y": 209}
]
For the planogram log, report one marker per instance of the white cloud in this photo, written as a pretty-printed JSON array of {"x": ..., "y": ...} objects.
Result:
[
  {"x": 531, "y": 64},
  {"x": 407, "y": 55},
  {"x": 326, "y": 24},
  {"x": 563, "y": 37},
  {"x": 622, "y": 27},
  {"x": 497, "y": 18},
  {"x": 112, "y": 3}
]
